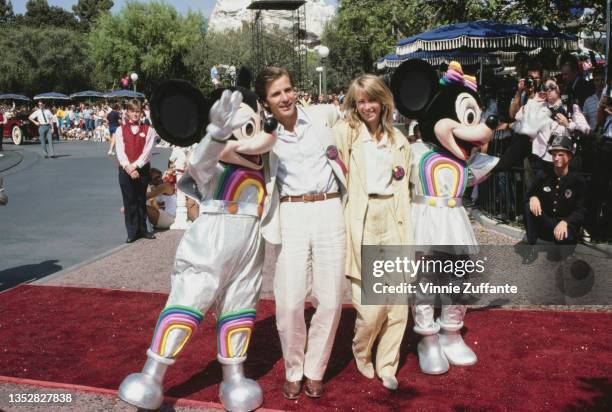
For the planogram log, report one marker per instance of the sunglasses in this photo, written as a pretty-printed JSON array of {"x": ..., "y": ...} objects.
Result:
[{"x": 544, "y": 88}]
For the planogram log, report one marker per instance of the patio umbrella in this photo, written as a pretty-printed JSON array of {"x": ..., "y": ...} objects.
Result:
[
  {"x": 125, "y": 94},
  {"x": 10, "y": 96},
  {"x": 51, "y": 96},
  {"x": 485, "y": 35},
  {"x": 438, "y": 57},
  {"x": 87, "y": 93}
]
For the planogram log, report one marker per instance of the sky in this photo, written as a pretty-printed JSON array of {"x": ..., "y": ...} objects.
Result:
[{"x": 205, "y": 6}]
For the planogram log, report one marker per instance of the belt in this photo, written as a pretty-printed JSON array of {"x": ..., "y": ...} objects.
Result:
[
  {"x": 377, "y": 196},
  {"x": 436, "y": 201},
  {"x": 312, "y": 197},
  {"x": 231, "y": 208}
]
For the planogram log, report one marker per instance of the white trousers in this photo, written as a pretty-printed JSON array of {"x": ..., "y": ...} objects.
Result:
[{"x": 310, "y": 262}]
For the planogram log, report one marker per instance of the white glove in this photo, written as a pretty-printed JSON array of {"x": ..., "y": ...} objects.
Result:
[
  {"x": 222, "y": 116},
  {"x": 535, "y": 116}
]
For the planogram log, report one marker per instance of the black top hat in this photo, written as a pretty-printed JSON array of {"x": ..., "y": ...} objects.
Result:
[
  {"x": 561, "y": 142},
  {"x": 179, "y": 112}
]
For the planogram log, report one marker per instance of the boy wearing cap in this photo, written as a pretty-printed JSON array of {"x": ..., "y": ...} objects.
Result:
[{"x": 555, "y": 209}]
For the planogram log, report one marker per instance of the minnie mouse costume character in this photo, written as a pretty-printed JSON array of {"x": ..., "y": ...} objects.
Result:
[
  {"x": 443, "y": 165},
  {"x": 220, "y": 258}
]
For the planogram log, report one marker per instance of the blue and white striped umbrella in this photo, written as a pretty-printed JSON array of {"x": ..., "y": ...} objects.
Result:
[{"x": 51, "y": 96}]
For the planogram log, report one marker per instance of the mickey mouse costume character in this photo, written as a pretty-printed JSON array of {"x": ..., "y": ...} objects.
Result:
[
  {"x": 220, "y": 258},
  {"x": 443, "y": 165}
]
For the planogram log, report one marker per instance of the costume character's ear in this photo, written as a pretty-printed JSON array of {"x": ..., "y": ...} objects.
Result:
[
  {"x": 414, "y": 84},
  {"x": 244, "y": 77},
  {"x": 179, "y": 112}
]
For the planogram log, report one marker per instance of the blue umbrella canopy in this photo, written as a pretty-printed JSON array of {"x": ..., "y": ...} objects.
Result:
[
  {"x": 485, "y": 35},
  {"x": 464, "y": 57},
  {"x": 87, "y": 93},
  {"x": 10, "y": 96},
  {"x": 51, "y": 96},
  {"x": 125, "y": 94}
]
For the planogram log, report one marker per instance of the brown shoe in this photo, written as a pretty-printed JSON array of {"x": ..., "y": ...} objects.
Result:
[
  {"x": 313, "y": 389},
  {"x": 291, "y": 390}
]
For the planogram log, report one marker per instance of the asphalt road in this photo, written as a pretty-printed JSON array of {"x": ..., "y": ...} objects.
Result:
[{"x": 61, "y": 211}]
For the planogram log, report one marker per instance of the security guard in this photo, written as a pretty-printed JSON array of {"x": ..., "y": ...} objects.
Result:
[{"x": 555, "y": 209}]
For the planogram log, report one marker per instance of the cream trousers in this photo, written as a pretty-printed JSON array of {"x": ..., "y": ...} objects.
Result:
[
  {"x": 310, "y": 262},
  {"x": 385, "y": 322}
]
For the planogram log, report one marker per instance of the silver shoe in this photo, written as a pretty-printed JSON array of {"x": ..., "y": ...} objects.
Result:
[
  {"x": 145, "y": 390},
  {"x": 455, "y": 349},
  {"x": 237, "y": 393},
  {"x": 431, "y": 358}
]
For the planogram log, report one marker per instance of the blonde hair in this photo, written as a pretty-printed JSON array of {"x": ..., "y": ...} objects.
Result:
[{"x": 377, "y": 90}]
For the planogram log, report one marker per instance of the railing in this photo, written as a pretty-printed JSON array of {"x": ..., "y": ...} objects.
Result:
[{"x": 502, "y": 197}]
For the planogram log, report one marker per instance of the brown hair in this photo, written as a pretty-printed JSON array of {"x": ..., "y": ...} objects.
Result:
[
  {"x": 134, "y": 105},
  {"x": 267, "y": 76},
  {"x": 376, "y": 89}
]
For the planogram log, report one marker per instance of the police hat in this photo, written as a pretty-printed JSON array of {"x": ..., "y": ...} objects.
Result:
[
  {"x": 179, "y": 112},
  {"x": 561, "y": 142}
]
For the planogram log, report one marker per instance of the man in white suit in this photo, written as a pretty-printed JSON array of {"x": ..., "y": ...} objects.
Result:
[{"x": 303, "y": 214}]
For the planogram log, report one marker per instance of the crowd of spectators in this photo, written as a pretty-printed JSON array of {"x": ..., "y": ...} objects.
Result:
[{"x": 570, "y": 102}]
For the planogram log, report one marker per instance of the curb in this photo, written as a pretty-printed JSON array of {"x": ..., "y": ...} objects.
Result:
[
  {"x": 519, "y": 234},
  {"x": 11, "y": 159},
  {"x": 79, "y": 265},
  {"x": 496, "y": 226}
]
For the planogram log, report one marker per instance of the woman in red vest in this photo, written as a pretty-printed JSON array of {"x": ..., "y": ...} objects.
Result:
[{"x": 134, "y": 143}]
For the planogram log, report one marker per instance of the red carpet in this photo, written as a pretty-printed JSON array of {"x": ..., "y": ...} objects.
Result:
[{"x": 528, "y": 360}]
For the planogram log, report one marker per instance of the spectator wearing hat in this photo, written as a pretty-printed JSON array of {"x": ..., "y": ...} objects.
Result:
[{"x": 555, "y": 209}]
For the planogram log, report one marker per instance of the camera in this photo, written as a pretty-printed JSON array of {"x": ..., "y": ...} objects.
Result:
[
  {"x": 558, "y": 110},
  {"x": 529, "y": 82}
]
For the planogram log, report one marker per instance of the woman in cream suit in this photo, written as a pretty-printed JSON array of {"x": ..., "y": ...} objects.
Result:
[{"x": 376, "y": 213}]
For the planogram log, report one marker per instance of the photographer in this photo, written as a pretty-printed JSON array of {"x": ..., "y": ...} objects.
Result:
[
  {"x": 547, "y": 115},
  {"x": 526, "y": 88}
]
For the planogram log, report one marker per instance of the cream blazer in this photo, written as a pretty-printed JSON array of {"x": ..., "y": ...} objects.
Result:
[
  {"x": 322, "y": 118},
  {"x": 350, "y": 146}
]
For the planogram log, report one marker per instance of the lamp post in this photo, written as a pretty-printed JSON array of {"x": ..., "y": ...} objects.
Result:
[
  {"x": 134, "y": 77},
  {"x": 323, "y": 52},
  {"x": 320, "y": 71}
]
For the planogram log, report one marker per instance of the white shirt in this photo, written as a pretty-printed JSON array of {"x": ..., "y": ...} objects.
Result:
[
  {"x": 378, "y": 164},
  {"x": 145, "y": 156},
  {"x": 42, "y": 120},
  {"x": 539, "y": 145},
  {"x": 303, "y": 167}
]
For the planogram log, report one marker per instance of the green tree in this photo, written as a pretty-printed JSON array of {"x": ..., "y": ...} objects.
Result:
[
  {"x": 150, "y": 39},
  {"x": 365, "y": 30},
  {"x": 6, "y": 12},
  {"x": 39, "y": 13},
  {"x": 36, "y": 60},
  {"x": 213, "y": 48},
  {"x": 89, "y": 10}
]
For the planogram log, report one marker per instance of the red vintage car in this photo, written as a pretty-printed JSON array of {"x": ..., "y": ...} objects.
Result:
[{"x": 18, "y": 127}]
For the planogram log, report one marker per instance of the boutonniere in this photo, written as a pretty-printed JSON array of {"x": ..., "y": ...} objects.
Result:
[
  {"x": 142, "y": 134},
  {"x": 331, "y": 152},
  {"x": 398, "y": 173}
]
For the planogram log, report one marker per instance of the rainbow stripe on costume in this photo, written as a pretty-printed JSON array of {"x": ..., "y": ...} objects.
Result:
[
  {"x": 236, "y": 179},
  {"x": 436, "y": 161},
  {"x": 175, "y": 318},
  {"x": 230, "y": 324}
]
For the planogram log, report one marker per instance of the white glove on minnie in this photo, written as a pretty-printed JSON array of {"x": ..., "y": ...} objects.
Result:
[
  {"x": 223, "y": 118},
  {"x": 535, "y": 116}
]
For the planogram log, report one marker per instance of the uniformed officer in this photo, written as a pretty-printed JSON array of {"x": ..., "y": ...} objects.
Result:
[{"x": 555, "y": 210}]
